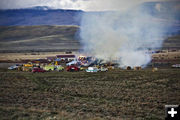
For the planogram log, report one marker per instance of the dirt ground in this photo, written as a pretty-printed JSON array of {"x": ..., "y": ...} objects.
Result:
[
  {"x": 167, "y": 55},
  {"x": 117, "y": 94},
  {"x": 29, "y": 56}
]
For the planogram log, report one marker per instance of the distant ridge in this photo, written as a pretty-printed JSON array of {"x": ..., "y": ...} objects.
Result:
[
  {"x": 38, "y": 38},
  {"x": 39, "y": 15},
  {"x": 45, "y": 15}
]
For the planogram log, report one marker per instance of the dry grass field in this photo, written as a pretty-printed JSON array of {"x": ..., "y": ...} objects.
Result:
[
  {"x": 46, "y": 38},
  {"x": 29, "y": 56},
  {"x": 117, "y": 94}
]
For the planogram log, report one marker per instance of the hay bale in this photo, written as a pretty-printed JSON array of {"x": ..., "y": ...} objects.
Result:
[
  {"x": 137, "y": 68},
  {"x": 154, "y": 69},
  {"x": 128, "y": 68},
  {"x": 110, "y": 67}
]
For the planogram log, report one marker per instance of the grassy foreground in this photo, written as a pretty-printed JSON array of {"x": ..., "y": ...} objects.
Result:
[{"x": 115, "y": 94}]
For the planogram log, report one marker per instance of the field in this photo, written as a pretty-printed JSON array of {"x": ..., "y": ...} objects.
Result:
[
  {"x": 38, "y": 38},
  {"x": 28, "y": 56},
  {"x": 117, "y": 94},
  {"x": 49, "y": 38}
]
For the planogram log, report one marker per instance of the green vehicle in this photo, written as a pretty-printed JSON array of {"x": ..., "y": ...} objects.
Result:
[
  {"x": 49, "y": 68},
  {"x": 59, "y": 68}
]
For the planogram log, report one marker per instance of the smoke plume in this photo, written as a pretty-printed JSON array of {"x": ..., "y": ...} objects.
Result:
[{"x": 125, "y": 36}]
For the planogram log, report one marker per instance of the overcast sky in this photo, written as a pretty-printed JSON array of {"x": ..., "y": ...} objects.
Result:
[{"x": 87, "y": 5}]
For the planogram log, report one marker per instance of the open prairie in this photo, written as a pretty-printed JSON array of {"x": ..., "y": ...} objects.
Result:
[
  {"x": 48, "y": 38},
  {"x": 28, "y": 56},
  {"x": 117, "y": 94},
  {"x": 15, "y": 39}
]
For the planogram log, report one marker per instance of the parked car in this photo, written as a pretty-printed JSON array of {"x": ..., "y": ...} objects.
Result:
[
  {"x": 29, "y": 64},
  {"x": 49, "y": 67},
  {"x": 92, "y": 69},
  {"x": 59, "y": 68},
  {"x": 176, "y": 66},
  {"x": 38, "y": 70},
  {"x": 27, "y": 69},
  {"x": 14, "y": 67},
  {"x": 72, "y": 68}
]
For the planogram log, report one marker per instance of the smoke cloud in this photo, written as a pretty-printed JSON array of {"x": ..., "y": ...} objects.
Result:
[{"x": 125, "y": 35}]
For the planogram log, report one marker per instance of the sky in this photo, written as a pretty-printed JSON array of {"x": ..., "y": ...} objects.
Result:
[{"x": 86, "y": 5}]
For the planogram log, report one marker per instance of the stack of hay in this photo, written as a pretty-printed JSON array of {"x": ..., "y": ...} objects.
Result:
[
  {"x": 128, "y": 68},
  {"x": 154, "y": 69},
  {"x": 137, "y": 68}
]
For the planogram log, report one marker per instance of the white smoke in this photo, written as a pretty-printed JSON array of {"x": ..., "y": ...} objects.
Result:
[{"x": 121, "y": 35}]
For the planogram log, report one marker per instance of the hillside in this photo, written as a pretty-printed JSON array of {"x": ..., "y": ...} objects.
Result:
[
  {"x": 38, "y": 38},
  {"x": 39, "y": 16},
  {"x": 51, "y": 38},
  {"x": 172, "y": 42},
  {"x": 43, "y": 15}
]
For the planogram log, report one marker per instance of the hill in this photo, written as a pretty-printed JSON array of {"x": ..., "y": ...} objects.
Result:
[
  {"x": 39, "y": 16},
  {"x": 51, "y": 38},
  {"x": 172, "y": 42},
  {"x": 43, "y": 15},
  {"x": 38, "y": 38},
  {"x": 44, "y": 29}
]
